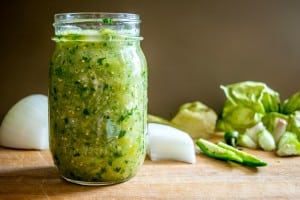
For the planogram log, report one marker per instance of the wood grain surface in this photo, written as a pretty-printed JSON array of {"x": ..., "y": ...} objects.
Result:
[{"x": 31, "y": 175}]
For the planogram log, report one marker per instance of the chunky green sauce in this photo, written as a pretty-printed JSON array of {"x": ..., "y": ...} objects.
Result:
[{"x": 98, "y": 106}]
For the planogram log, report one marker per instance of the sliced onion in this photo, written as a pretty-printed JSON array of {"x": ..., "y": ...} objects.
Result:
[
  {"x": 169, "y": 143},
  {"x": 25, "y": 126}
]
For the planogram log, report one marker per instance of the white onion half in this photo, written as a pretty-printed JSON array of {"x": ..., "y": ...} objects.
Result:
[
  {"x": 25, "y": 126},
  {"x": 168, "y": 143}
]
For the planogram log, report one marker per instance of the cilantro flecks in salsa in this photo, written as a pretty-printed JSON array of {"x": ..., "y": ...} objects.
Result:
[{"x": 98, "y": 106}]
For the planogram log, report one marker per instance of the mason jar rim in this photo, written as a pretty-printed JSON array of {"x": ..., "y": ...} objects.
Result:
[{"x": 95, "y": 16}]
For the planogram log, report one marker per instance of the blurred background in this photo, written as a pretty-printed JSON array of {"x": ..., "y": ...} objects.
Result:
[{"x": 192, "y": 47}]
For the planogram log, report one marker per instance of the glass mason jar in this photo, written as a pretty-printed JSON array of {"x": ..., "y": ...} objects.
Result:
[{"x": 97, "y": 97}]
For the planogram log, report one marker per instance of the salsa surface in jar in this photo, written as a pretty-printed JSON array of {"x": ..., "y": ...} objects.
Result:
[{"x": 98, "y": 107}]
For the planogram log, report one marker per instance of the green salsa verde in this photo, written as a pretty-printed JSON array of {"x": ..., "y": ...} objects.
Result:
[{"x": 97, "y": 106}]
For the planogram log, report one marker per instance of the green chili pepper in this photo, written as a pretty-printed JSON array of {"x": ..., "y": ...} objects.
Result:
[
  {"x": 212, "y": 150},
  {"x": 247, "y": 159},
  {"x": 231, "y": 137},
  {"x": 226, "y": 152}
]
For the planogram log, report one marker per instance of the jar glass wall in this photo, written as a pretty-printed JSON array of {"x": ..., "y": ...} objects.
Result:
[{"x": 97, "y": 97}]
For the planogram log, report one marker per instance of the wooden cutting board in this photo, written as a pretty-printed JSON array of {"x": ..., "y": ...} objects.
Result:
[{"x": 32, "y": 175}]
